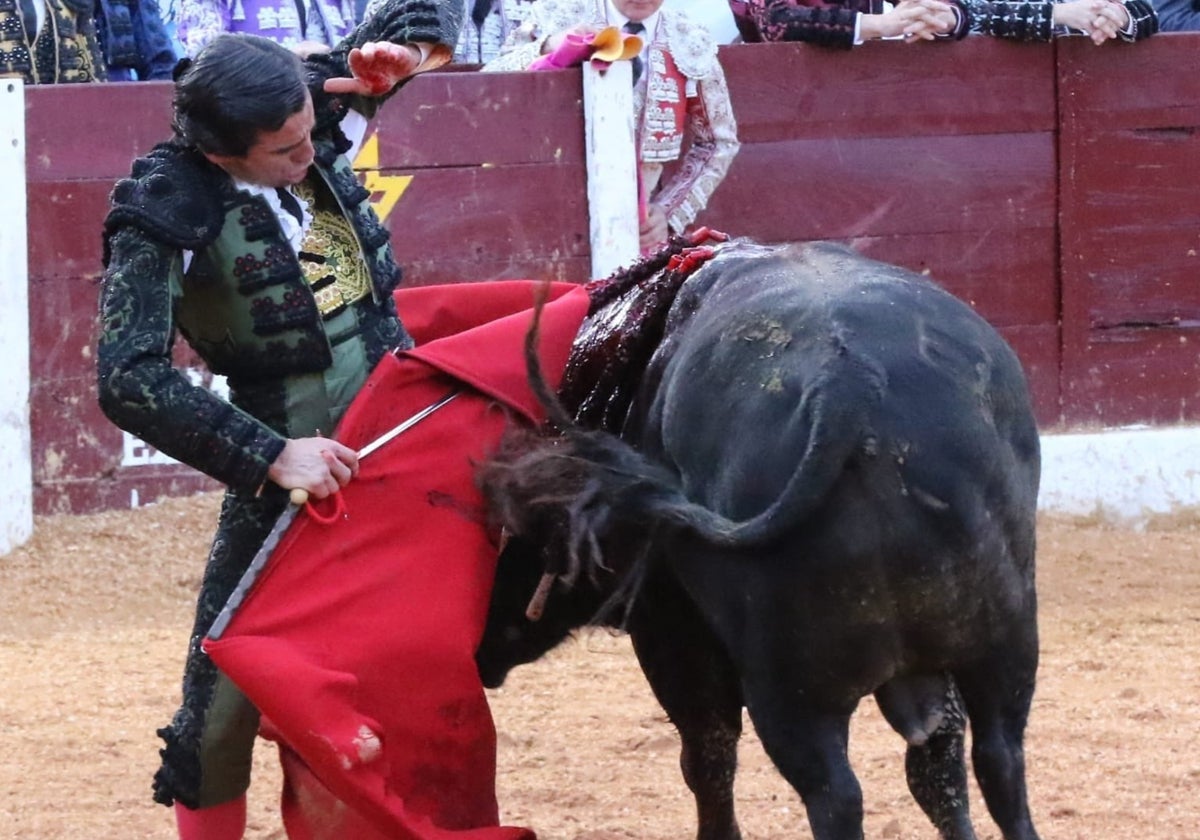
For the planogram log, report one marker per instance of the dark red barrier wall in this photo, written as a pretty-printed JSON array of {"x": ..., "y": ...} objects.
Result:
[
  {"x": 1130, "y": 230},
  {"x": 1051, "y": 186}
]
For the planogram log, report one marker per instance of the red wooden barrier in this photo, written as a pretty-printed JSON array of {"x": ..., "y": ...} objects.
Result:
[
  {"x": 1051, "y": 186},
  {"x": 1130, "y": 229}
]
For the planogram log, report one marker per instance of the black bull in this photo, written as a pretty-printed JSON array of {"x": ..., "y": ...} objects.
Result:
[{"x": 824, "y": 487}]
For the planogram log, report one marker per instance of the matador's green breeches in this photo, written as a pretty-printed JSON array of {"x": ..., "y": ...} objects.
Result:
[{"x": 206, "y": 760}]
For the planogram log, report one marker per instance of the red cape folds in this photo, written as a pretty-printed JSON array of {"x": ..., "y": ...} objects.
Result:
[{"x": 357, "y": 641}]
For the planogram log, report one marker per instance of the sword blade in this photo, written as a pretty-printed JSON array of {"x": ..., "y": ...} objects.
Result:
[
  {"x": 253, "y": 571},
  {"x": 406, "y": 425}
]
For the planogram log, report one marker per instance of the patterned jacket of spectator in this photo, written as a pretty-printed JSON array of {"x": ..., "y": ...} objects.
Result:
[
  {"x": 49, "y": 42},
  {"x": 1023, "y": 20},
  {"x": 813, "y": 21},
  {"x": 682, "y": 93},
  {"x": 286, "y": 22},
  {"x": 133, "y": 40}
]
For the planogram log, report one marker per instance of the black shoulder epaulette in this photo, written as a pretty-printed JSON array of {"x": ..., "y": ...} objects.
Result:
[{"x": 173, "y": 195}]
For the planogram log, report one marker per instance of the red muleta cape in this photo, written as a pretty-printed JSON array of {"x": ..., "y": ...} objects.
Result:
[{"x": 357, "y": 641}]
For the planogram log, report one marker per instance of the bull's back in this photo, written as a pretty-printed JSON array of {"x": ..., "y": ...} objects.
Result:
[{"x": 915, "y": 409}]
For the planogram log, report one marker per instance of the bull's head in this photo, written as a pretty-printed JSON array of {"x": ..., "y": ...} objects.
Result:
[{"x": 515, "y": 634}]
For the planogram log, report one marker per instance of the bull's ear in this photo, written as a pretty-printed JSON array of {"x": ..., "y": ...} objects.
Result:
[{"x": 537, "y": 604}]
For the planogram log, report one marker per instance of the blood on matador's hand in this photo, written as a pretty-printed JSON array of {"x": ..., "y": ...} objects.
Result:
[{"x": 377, "y": 67}]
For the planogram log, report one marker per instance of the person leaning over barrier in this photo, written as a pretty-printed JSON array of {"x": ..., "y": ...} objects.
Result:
[
  {"x": 679, "y": 94},
  {"x": 1042, "y": 20},
  {"x": 249, "y": 233},
  {"x": 846, "y": 23}
]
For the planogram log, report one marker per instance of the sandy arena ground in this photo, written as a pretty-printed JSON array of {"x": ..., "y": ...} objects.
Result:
[{"x": 94, "y": 613}]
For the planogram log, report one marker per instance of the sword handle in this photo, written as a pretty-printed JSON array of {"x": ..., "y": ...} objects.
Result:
[{"x": 300, "y": 499}]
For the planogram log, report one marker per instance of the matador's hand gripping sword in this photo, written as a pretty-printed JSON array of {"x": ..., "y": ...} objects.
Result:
[{"x": 296, "y": 502}]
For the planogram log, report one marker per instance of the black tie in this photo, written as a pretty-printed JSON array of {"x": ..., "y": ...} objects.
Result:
[
  {"x": 635, "y": 27},
  {"x": 290, "y": 204},
  {"x": 29, "y": 16}
]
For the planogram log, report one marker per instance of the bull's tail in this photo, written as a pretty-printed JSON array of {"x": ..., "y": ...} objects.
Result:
[{"x": 582, "y": 484}]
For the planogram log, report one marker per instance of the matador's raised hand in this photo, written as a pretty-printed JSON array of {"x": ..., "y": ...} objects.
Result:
[{"x": 377, "y": 67}]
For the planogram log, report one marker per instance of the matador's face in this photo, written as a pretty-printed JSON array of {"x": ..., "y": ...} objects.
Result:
[{"x": 278, "y": 158}]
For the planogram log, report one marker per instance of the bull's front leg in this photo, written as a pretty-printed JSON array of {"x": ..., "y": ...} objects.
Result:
[{"x": 697, "y": 686}]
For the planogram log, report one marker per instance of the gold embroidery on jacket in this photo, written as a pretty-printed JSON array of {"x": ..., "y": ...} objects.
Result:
[{"x": 329, "y": 256}]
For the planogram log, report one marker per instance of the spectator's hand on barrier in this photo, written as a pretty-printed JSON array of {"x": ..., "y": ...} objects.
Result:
[
  {"x": 914, "y": 20},
  {"x": 653, "y": 229},
  {"x": 935, "y": 18},
  {"x": 377, "y": 67},
  {"x": 1101, "y": 19},
  {"x": 317, "y": 465},
  {"x": 1110, "y": 21}
]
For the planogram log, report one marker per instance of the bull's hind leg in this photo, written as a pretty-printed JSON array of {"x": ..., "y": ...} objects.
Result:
[
  {"x": 997, "y": 693},
  {"x": 926, "y": 710},
  {"x": 697, "y": 686},
  {"x": 809, "y": 748}
]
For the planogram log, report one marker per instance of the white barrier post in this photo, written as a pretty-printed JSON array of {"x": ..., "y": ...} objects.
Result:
[
  {"x": 16, "y": 497},
  {"x": 611, "y": 166}
]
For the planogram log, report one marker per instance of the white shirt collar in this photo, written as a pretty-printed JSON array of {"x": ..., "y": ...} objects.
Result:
[{"x": 292, "y": 229}]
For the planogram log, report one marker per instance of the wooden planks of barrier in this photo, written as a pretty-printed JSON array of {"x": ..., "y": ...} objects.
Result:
[{"x": 1130, "y": 228}]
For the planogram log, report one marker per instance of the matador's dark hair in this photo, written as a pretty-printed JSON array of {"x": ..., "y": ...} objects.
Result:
[{"x": 235, "y": 88}]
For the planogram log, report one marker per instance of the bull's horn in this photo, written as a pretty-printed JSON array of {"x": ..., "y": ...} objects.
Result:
[{"x": 537, "y": 604}]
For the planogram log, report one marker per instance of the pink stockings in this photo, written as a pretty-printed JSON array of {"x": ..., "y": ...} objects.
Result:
[{"x": 226, "y": 821}]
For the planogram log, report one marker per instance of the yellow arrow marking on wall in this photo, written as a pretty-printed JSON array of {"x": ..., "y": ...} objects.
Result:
[{"x": 388, "y": 188}]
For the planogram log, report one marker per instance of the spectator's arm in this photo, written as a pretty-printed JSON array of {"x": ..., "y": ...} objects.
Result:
[
  {"x": 1143, "y": 20},
  {"x": 1019, "y": 20},
  {"x": 1101, "y": 20},
  {"x": 962, "y": 22},
  {"x": 142, "y": 392},
  {"x": 783, "y": 20},
  {"x": 1177, "y": 15},
  {"x": 156, "y": 55},
  {"x": 712, "y": 131}
]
